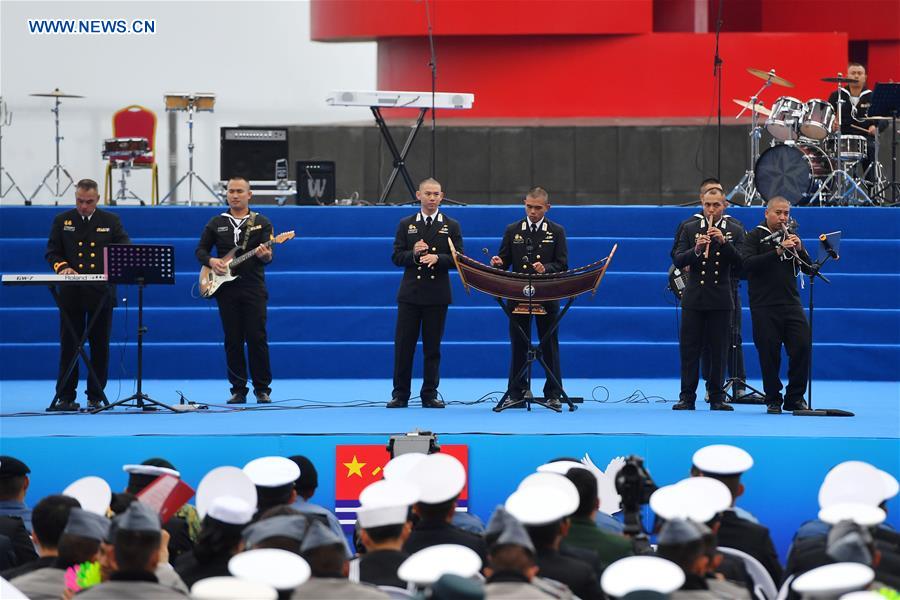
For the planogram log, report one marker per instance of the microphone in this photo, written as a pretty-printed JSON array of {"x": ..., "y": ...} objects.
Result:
[
  {"x": 828, "y": 247},
  {"x": 772, "y": 236}
]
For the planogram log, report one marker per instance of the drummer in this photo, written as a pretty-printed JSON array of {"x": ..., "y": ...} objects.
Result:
[{"x": 855, "y": 108}]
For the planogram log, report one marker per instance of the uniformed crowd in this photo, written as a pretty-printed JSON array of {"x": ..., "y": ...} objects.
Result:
[{"x": 253, "y": 532}]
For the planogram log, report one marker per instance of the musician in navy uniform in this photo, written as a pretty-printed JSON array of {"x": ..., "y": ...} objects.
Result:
[
  {"x": 707, "y": 246},
  {"x": 534, "y": 244},
  {"x": 242, "y": 302},
  {"x": 772, "y": 265},
  {"x": 735, "y": 360},
  {"x": 855, "y": 101},
  {"x": 422, "y": 248},
  {"x": 75, "y": 246}
]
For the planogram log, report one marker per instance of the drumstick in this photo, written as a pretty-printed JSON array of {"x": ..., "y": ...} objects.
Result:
[{"x": 860, "y": 128}]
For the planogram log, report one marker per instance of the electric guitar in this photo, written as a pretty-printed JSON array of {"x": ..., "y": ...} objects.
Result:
[{"x": 210, "y": 282}]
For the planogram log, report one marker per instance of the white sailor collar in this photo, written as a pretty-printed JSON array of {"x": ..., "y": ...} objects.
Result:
[
  {"x": 541, "y": 225},
  {"x": 861, "y": 94},
  {"x": 437, "y": 216}
]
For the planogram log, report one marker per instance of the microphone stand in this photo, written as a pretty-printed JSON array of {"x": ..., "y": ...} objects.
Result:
[
  {"x": 717, "y": 73},
  {"x": 432, "y": 64}
]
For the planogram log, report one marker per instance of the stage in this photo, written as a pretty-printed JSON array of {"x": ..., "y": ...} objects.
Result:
[{"x": 312, "y": 416}]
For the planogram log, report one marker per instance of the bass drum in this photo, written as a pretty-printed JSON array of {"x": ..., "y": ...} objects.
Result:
[{"x": 793, "y": 171}]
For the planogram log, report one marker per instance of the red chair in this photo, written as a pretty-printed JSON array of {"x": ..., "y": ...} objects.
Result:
[{"x": 135, "y": 122}]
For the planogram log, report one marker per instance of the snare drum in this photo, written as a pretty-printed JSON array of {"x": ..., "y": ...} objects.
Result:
[
  {"x": 784, "y": 122},
  {"x": 125, "y": 148},
  {"x": 793, "y": 170},
  {"x": 853, "y": 147},
  {"x": 818, "y": 117}
]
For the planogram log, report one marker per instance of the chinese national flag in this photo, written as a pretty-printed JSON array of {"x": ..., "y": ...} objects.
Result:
[{"x": 359, "y": 465}]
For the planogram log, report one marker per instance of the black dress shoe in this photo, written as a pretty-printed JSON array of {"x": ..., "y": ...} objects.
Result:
[
  {"x": 238, "y": 398},
  {"x": 683, "y": 405},
  {"x": 554, "y": 403},
  {"x": 66, "y": 406},
  {"x": 432, "y": 403},
  {"x": 93, "y": 403},
  {"x": 773, "y": 409},
  {"x": 720, "y": 406},
  {"x": 263, "y": 398},
  {"x": 397, "y": 403},
  {"x": 799, "y": 405}
]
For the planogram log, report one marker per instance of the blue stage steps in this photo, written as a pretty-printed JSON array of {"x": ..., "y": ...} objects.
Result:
[{"x": 332, "y": 295}]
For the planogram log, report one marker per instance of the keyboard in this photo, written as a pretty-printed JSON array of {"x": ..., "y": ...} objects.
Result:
[
  {"x": 51, "y": 279},
  {"x": 388, "y": 99}
]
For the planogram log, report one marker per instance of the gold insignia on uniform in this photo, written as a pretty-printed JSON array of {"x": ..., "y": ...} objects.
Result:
[
  {"x": 254, "y": 228},
  {"x": 412, "y": 229},
  {"x": 103, "y": 230},
  {"x": 67, "y": 222}
]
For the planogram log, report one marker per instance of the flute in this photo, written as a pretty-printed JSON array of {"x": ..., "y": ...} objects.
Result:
[{"x": 709, "y": 243}]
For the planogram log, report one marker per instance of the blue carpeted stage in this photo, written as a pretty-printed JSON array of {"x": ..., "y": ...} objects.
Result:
[{"x": 331, "y": 326}]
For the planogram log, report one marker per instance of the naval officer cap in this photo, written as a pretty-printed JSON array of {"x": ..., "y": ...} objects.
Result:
[
  {"x": 856, "y": 512},
  {"x": 12, "y": 467},
  {"x": 280, "y": 569},
  {"x": 232, "y": 588},
  {"x": 429, "y": 564},
  {"x": 699, "y": 499},
  {"x": 831, "y": 581},
  {"x": 290, "y": 526},
  {"x": 272, "y": 471},
  {"x": 722, "y": 459},
  {"x": 386, "y": 503},
  {"x": 318, "y": 535},
  {"x": 440, "y": 477},
  {"x": 641, "y": 574},
  {"x": 153, "y": 467},
  {"x": 86, "y": 524},
  {"x": 138, "y": 517}
]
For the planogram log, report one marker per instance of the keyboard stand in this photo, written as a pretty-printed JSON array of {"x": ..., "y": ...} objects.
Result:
[{"x": 399, "y": 155}]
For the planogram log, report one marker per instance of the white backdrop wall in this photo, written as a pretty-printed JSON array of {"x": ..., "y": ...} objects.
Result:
[{"x": 255, "y": 56}]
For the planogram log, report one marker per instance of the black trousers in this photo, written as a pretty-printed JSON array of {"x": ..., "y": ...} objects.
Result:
[
  {"x": 774, "y": 326},
  {"x": 79, "y": 303},
  {"x": 710, "y": 330},
  {"x": 243, "y": 313},
  {"x": 411, "y": 319},
  {"x": 549, "y": 350},
  {"x": 735, "y": 363}
]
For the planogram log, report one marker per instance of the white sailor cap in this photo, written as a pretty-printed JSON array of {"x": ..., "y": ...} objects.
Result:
[
  {"x": 862, "y": 596},
  {"x": 272, "y": 471},
  {"x": 428, "y": 565},
  {"x": 699, "y": 499},
  {"x": 150, "y": 470},
  {"x": 853, "y": 481},
  {"x": 440, "y": 477},
  {"x": 610, "y": 501},
  {"x": 399, "y": 466},
  {"x": 231, "y": 510},
  {"x": 543, "y": 498},
  {"x": 232, "y": 588},
  {"x": 93, "y": 493},
  {"x": 280, "y": 569},
  {"x": 641, "y": 574},
  {"x": 224, "y": 481},
  {"x": 560, "y": 466},
  {"x": 891, "y": 485},
  {"x": 833, "y": 580},
  {"x": 386, "y": 503},
  {"x": 722, "y": 459},
  {"x": 857, "y": 512}
]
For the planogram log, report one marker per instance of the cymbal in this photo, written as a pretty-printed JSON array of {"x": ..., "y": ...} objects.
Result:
[
  {"x": 759, "y": 107},
  {"x": 839, "y": 80},
  {"x": 770, "y": 76},
  {"x": 56, "y": 94}
]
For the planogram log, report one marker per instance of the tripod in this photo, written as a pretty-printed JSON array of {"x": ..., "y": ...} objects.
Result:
[
  {"x": 191, "y": 174},
  {"x": 57, "y": 169},
  {"x": 6, "y": 121},
  {"x": 746, "y": 186}
]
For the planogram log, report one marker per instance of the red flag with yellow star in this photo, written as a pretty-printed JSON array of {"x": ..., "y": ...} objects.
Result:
[{"x": 359, "y": 465}]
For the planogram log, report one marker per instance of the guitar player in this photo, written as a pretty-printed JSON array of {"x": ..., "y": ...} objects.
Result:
[{"x": 242, "y": 302}]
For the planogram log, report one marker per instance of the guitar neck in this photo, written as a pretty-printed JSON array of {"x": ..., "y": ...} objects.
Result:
[{"x": 248, "y": 255}]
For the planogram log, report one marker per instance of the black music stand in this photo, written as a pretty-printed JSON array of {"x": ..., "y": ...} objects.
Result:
[
  {"x": 79, "y": 350},
  {"x": 886, "y": 103},
  {"x": 139, "y": 264}
]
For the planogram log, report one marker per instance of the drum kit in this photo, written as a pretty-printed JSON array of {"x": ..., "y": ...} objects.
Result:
[
  {"x": 809, "y": 160},
  {"x": 122, "y": 151}
]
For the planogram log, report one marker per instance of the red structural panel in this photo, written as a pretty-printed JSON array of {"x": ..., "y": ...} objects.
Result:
[
  {"x": 665, "y": 74},
  {"x": 336, "y": 20},
  {"x": 884, "y": 62},
  {"x": 860, "y": 19}
]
